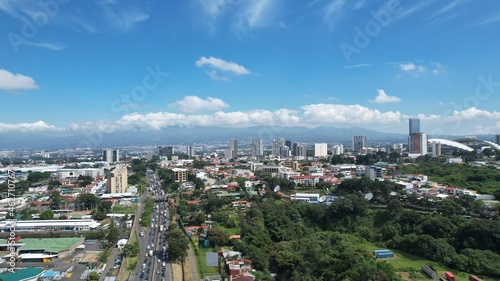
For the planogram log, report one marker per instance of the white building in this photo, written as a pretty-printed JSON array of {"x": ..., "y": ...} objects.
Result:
[
  {"x": 14, "y": 203},
  {"x": 48, "y": 225},
  {"x": 320, "y": 149},
  {"x": 338, "y": 149},
  {"x": 111, "y": 155},
  {"x": 305, "y": 197}
]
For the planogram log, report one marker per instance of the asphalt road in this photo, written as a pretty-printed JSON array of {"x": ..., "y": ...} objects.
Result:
[{"x": 154, "y": 238}]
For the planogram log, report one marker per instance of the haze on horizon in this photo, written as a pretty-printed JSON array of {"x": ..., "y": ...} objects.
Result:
[{"x": 116, "y": 66}]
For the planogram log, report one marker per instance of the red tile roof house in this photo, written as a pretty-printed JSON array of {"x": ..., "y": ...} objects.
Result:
[
  {"x": 240, "y": 270},
  {"x": 193, "y": 202}
]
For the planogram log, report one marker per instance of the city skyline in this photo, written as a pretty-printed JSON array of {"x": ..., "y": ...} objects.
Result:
[{"x": 115, "y": 66}]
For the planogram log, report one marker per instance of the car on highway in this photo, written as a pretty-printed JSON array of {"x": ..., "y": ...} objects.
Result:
[
  {"x": 141, "y": 234},
  {"x": 163, "y": 264}
]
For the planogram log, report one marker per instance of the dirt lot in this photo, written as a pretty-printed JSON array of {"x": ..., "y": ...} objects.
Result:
[
  {"x": 177, "y": 271},
  {"x": 90, "y": 257}
]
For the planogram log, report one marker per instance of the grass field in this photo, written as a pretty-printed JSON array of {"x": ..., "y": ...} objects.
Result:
[
  {"x": 403, "y": 262},
  {"x": 202, "y": 264},
  {"x": 124, "y": 209},
  {"x": 229, "y": 231}
]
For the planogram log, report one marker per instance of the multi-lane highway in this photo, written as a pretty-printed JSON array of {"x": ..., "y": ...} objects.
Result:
[{"x": 154, "y": 267}]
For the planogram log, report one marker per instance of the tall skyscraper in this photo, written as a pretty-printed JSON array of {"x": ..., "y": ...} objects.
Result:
[
  {"x": 320, "y": 149},
  {"x": 165, "y": 151},
  {"x": 277, "y": 145},
  {"x": 111, "y": 155},
  {"x": 288, "y": 143},
  {"x": 414, "y": 125},
  {"x": 190, "y": 151},
  {"x": 417, "y": 143},
  {"x": 497, "y": 139},
  {"x": 358, "y": 143},
  {"x": 300, "y": 152},
  {"x": 118, "y": 180},
  {"x": 257, "y": 148},
  {"x": 233, "y": 146}
]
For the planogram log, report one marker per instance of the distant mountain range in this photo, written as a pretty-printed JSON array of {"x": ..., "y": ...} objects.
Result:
[{"x": 197, "y": 135}]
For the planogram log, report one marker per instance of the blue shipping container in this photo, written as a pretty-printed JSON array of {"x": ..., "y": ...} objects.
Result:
[
  {"x": 381, "y": 251},
  {"x": 385, "y": 255}
]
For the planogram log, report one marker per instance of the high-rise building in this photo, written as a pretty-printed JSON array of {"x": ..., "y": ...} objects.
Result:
[
  {"x": 320, "y": 149},
  {"x": 179, "y": 175},
  {"x": 300, "y": 152},
  {"x": 417, "y": 143},
  {"x": 284, "y": 151},
  {"x": 233, "y": 146},
  {"x": 277, "y": 145},
  {"x": 165, "y": 151},
  {"x": 190, "y": 151},
  {"x": 111, "y": 155},
  {"x": 338, "y": 149},
  {"x": 162, "y": 151},
  {"x": 294, "y": 149},
  {"x": 358, "y": 143},
  {"x": 436, "y": 149},
  {"x": 257, "y": 148},
  {"x": 288, "y": 143},
  {"x": 118, "y": 180},
  {"x": 497, "y": 139},
  {"x": 414, "y": 125}
]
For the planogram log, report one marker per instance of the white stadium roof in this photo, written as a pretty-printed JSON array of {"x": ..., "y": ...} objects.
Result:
[
  {"x": 494, "y": 145},
  {"x": 451, "y": 143}
]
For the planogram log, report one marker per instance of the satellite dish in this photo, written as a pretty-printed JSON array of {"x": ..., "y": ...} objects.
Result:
[
  {"x": 277, "y": 188},
  {"x": 322, "y": 199},
  {"x": 369, "y": 196}
]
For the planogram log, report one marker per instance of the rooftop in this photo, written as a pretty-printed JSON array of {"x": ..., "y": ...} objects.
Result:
[
  {"x": 23, "y": 274},
  {"x": 53, "y": 245}
]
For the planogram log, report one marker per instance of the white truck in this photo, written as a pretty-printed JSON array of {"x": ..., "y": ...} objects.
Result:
[
  {"x": 150, "y": 253},
  {"x": 161, "y": 227}
]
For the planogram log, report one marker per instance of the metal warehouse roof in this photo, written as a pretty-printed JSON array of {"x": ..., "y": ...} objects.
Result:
[{"x": 52, "y": 245}]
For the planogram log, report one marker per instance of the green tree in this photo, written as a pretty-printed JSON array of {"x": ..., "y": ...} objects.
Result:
[
  {"x": 93, "y": 276},
  {"x": 113, "y": 234},
  {"x": 217, "y": 237},
  {"x": 34, "y": 177},
  {"x": 87, "y": 201},
  {"x": 178, "y": 244},
  {"x": 55, "y": 200},
  {"x": 47, "y": 215},
  {"x": 85, "y": 180}
]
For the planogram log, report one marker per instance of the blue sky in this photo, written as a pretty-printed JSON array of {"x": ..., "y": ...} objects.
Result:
[{"x": 119, "y": 65}]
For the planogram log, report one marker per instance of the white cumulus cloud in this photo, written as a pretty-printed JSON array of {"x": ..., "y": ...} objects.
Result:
[
  {"x": 340, "y": 114},
  {"x": 28, "y": 127},
  {"x": 11, "y": 81},
  {"x": 216, "y": 67},
  {"x": 191, "y": 104},
  {"x": 412, "y": 68},
  {"x": 382, "y": 97}
]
